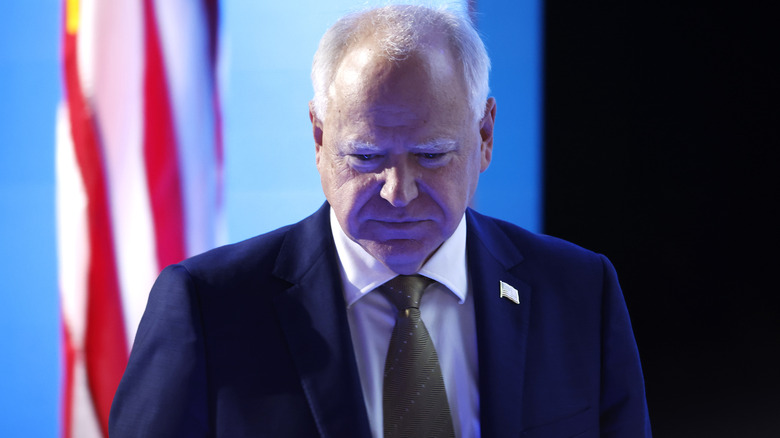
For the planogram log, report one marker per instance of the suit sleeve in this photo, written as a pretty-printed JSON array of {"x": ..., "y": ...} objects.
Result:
[
  {"x": 623, "y": 411},
  {"x": 163, "y": 391}
]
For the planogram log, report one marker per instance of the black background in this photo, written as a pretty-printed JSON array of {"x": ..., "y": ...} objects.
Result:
[{"x": 660, "y": 139}]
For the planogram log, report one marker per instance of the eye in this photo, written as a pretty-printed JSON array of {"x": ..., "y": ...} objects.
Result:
[
  {"x": 431, "y": 156},
  {"x": 365, "y": 157}
]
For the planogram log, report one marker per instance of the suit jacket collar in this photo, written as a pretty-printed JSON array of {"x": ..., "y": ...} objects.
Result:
[
  {"x": 312, "y": 313},
  {"x": 313, "y": 316},
  {"x": 502, "y": 325}
]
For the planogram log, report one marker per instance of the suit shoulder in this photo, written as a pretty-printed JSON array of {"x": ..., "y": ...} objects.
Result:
[
  {"x": 538, "y": 254},
  {"x": 255, "y": 255},
  {"x": 261, "y": 259},
  {"x": 529, "y": 242}
]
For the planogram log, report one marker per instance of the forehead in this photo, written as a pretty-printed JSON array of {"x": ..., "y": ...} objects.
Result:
[
  {"x": 365, "y": 76},
  {"x": 388, "y": 103}
]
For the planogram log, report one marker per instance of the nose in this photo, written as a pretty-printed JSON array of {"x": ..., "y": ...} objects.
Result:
[{"x": 399, "y": 187}]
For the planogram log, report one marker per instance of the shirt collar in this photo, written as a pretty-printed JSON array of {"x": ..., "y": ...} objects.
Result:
[{"x": 361, "y": 272}]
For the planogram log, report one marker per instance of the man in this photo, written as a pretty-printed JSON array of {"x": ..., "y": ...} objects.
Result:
[{"x": 287, "y": 334}]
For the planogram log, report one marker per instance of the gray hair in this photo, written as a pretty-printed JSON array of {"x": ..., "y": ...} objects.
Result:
[{"x": 399, "y": 29}]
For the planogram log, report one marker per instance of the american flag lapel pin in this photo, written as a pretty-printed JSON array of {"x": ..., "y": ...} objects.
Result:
[{"x": 509, "y": 292}]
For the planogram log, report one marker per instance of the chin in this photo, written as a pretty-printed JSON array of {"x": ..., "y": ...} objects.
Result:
[
  {"x": 401, "y": 256},
  {"x": 404, "y": 265}
]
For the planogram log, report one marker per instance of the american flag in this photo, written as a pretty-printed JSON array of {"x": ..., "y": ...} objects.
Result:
[{"x": 139, "y": 177}]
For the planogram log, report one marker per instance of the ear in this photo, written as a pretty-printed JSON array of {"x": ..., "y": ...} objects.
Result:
[
  {"x": 316, "y": 125},
  {"x": 486, "y": 133}
]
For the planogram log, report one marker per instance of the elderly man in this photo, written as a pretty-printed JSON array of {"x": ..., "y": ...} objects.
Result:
[{"x": 394, "y": 310}]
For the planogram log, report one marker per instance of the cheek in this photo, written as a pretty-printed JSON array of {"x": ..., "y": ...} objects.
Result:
[
  {"x": 473, "y": 169},
  {"x": 334, "y": 172},
  {"x": 361, "y": 189},
  {"x": 349, "y": 191},
  {"x": 452, "y": 191}
]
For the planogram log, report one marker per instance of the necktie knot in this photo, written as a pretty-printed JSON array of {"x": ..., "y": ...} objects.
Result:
[{"x": 405, "y": 291}]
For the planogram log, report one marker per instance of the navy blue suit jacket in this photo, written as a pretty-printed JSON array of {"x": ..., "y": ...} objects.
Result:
[{"x": 252, "y": 340}]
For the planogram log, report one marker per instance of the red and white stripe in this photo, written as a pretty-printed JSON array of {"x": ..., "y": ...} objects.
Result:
[{"x": 139, "y": 177}]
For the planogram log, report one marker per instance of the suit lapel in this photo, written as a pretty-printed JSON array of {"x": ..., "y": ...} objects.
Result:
[
  {"x": 502, "y": 325},
  {"x": 313, "y": 317}
]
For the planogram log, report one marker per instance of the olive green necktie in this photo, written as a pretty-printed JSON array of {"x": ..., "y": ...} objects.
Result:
[{"x": 414, "y": 398}]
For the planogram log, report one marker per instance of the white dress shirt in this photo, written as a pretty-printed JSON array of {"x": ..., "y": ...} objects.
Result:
[{"x": 447, "y": 309}]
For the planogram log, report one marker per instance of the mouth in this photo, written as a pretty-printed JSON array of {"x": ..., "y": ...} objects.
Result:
[
  {"x": 398, "y": 222},
  {"x": 404, "y": 224}
]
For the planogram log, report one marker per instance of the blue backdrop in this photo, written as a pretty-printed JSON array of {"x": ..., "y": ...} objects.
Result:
[{"x": 271, "y": 179}]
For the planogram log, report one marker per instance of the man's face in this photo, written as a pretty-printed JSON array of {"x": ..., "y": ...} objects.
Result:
[{"x": 399, "y": 153}]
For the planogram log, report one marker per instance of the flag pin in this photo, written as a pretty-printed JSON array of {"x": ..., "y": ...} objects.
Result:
[{"x": 509, "y": 292}]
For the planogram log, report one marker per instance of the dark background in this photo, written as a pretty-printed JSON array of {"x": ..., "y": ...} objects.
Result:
[{"x": 660, "y": 138}]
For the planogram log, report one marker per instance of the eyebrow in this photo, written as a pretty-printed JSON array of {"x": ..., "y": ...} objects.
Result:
[
  {"x": 435, "y": 145},
  {"x": 356, "y": 145}
]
